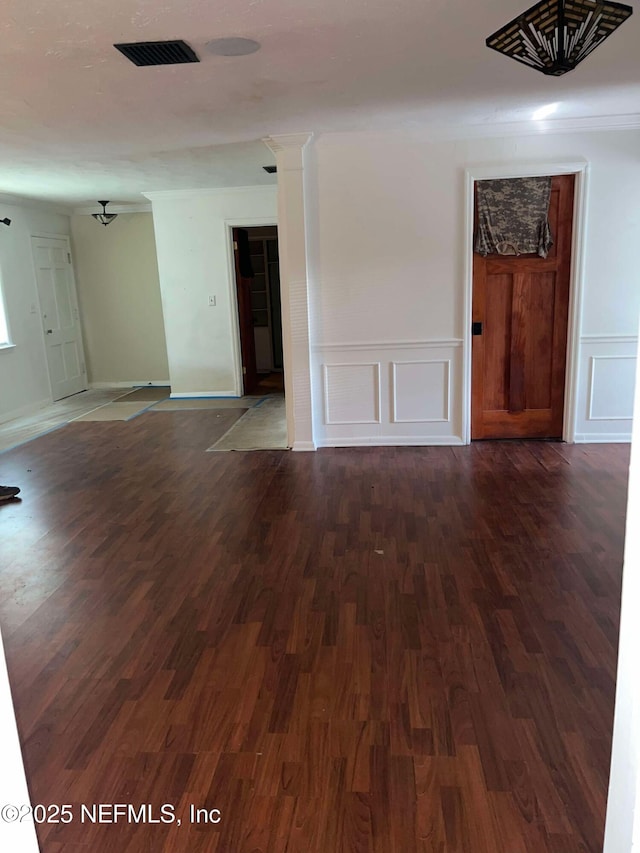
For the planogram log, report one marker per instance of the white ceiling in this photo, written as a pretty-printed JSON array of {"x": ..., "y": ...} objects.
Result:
[{"x": 80, "y": 122}]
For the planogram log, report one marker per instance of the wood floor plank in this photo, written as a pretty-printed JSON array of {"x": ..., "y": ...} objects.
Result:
[{"x": 376, "y": 650}]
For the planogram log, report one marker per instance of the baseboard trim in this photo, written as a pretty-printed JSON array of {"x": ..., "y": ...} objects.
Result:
[
  {"x": 394, "y": 441},
  {"x": 304, "y": 446},
  {"x": 24, "y": 411},
  {"x": 603, "y": 438},
  {"x": 203, "y": 395},
  {"x": 132, "y": 383}
]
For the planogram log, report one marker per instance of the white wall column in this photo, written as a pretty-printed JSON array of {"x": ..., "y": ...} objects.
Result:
[
  {"x": 289, "y": 151},
  {"x": 622, "y": 831},
  {"x": 16, "y": 833}
]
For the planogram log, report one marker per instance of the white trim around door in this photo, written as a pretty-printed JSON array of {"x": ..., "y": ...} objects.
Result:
[
  {"x": 230, "y": 224},
  {"x": 478, "y": 173},
  {"x": 68, "y": 337}
]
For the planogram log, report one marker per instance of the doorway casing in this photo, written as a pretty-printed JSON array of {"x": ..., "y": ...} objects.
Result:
[
  {"x": 65, "y": 240},
  {"x": 576, "y": 286},
  {"x": 230, "y": 224}
]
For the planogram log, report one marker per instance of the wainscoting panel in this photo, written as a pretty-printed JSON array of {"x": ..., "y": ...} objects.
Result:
[
  {"x": 607, "y": 377},
  {"x": 352, "y": 393},
  {"x": 410, "y": 392},
  {"x": 612, "y": 385},
  {"x": 388, "y": 393},
  {"x": 420, "y": 391}
]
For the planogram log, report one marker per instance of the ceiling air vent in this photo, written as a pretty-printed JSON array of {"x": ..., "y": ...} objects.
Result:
[
  {"x": 158, "y": 52},
  {"x": 270, "y": 169}
]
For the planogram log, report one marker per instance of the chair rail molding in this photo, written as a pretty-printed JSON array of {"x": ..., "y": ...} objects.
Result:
[{"x": 435, "y": 343}]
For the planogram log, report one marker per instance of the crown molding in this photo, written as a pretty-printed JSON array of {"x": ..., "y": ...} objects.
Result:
[
  {"x": 34, "y": 203},
  {"x": 287, "y": 141},
  {"x": 88, "y": 210},
  {"x": 174, "y": 194},
  {"x": 534, "y": 128},
  {"x": 289, "y": 150}
]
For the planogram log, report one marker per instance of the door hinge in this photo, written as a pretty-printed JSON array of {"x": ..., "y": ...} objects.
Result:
[
  {"x": 476, "y": 328},
  {"x": 235, "y": 245},
  {"x": 82, "y": 368},
  {"x": 244, "y": 370},
  {"x": 69, "y": 257}
]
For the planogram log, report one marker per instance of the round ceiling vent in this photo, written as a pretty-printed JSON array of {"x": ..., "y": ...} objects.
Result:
[{"x": 232, "y": 46}]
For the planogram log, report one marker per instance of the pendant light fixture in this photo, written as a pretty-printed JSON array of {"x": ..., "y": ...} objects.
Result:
[
  {"x": 104, "y": 217},
  {"x": 555, "y": 35}
]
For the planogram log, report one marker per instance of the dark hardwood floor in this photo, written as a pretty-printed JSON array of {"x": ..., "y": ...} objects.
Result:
[{"x": 380, "y": 650}]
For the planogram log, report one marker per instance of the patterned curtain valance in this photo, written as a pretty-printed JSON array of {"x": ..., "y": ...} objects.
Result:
[{"x": 513, "y": 217}]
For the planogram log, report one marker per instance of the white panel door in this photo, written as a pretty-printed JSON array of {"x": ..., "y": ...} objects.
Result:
[{"x": 60, "y": 316}]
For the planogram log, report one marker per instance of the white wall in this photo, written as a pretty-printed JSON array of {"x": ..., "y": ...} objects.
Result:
[
  {"x": 195, "y": 262},
  {"x": 622, "y": 833},
  {"x": 24, "y": 377},
  {"x": 17, "y": 835},
  {"x": 119, "y": 294},
  {"x": 385, "y": 227}
]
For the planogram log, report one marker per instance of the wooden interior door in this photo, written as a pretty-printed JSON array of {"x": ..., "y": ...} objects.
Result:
[
  {"x": 245, "y": 315},
  {"x": 519, "y": 348}
]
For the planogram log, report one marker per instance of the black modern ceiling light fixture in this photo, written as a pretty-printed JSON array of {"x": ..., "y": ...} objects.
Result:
[
  {"x": 6, "y": 221},
  {"x": 555, "y": 35},
  {"x": 104, "y": 218}
]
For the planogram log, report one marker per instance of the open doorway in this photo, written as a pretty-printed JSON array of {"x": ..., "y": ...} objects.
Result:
[{"x": 257, "y": 273}]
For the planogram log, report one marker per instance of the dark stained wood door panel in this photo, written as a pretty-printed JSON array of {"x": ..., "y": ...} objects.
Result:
[{"x": 519, "y": 360}]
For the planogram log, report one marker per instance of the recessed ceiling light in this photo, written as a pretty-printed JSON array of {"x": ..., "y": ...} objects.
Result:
[{"x": 233, "y": 46}]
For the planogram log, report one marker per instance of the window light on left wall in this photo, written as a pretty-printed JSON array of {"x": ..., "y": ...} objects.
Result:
[{"x": 5, "y": 341}]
